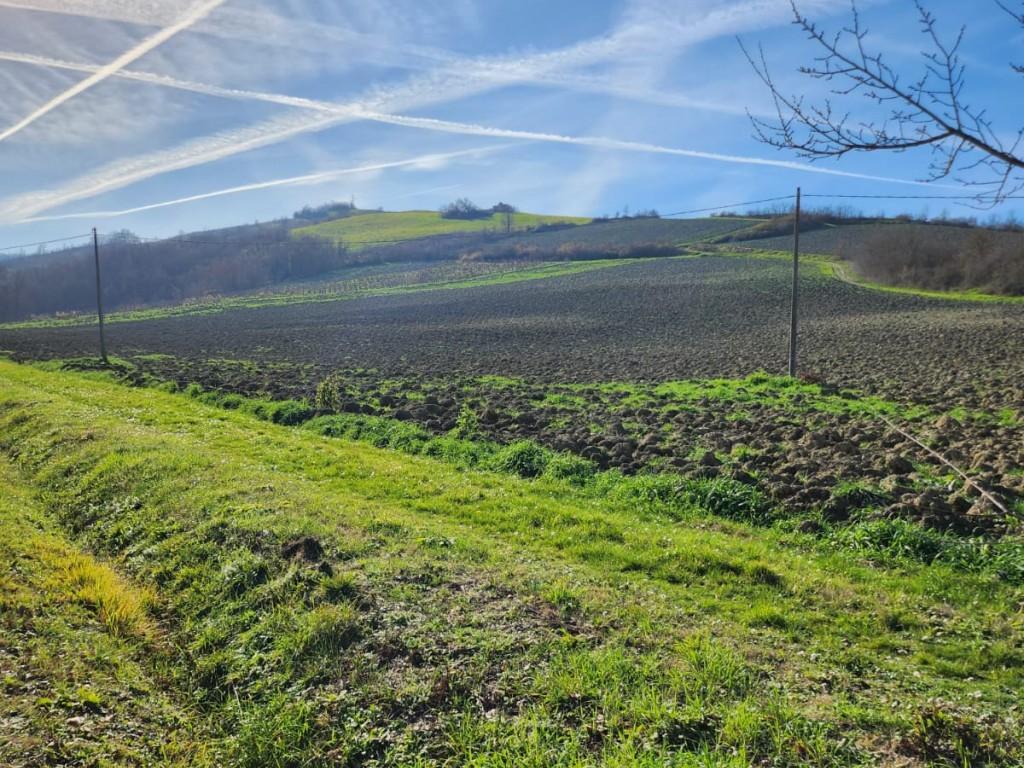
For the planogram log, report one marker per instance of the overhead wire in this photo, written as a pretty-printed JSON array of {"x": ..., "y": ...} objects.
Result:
[
  {"x": 44, "y": 242},
  {"x": 728, "y": 205},
  {"x": 707, "y": 209}
]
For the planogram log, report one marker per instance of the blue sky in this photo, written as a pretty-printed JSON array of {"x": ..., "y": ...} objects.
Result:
[{"x": 250, "y": 110}]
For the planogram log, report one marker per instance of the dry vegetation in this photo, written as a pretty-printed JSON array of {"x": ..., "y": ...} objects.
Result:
[{"x": 940, "y": 258}]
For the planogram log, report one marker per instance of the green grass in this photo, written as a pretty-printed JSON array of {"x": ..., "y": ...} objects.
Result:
[
  {"x": 364, "y": 230},
  {"x": 763, "y": 388},
  {"x": 449, "y": 616},
  {"x": 79, "y": 654}
]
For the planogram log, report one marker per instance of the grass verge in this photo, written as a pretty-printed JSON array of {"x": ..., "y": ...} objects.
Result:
[{"x": 334, "y": 603}]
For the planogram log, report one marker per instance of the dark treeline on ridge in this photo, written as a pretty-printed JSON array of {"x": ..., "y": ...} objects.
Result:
[{"x": 136, "y": 272}]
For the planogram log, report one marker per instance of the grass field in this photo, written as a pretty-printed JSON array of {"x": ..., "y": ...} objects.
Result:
[
  {"x": 333, "y": 603},
  {"x": 367, "y": 229}
]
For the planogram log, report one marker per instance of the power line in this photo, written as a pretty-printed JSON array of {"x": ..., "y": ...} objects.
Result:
[
  {"x": 724, "y": 206},
  {"x": 730, "y": 205},
  {"x": 914, "y": 197},
  {"x": 45, "y": 242},
  {"x": 294, "y": 240}
]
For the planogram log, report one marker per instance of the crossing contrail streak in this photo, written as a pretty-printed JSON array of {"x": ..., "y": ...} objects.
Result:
[
  {"x": 309, "y": 178},
  {"x": 196, "y": 14},
  {"x": 447, "y": 126}
]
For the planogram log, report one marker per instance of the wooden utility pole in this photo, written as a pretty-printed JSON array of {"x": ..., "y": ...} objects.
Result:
[
  {"x": 796, "y": 287},
  {"x": 99, "y": 295}
]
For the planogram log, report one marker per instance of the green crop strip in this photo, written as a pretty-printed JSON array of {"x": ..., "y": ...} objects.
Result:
[{"x": 544, "y": 271}]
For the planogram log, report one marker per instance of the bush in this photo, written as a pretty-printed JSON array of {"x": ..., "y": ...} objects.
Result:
[
  {"x": 467, "y": 425},
  {"x": 522, "y": 457},
  {"x": 285, "y": 412},
  {"x": 463, "y": 208},
  {"x": 730, "y": 498},
  {"x": 332, "y": 392},
  {"x": 661, "y": 494},
  {"x": 571, "y": 468},
  {"x": 463, "y": 453}
]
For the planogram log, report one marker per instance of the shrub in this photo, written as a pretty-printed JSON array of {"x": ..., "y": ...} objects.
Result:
[
  {"x": 467, "y": 425},
  {"x": 730, "y": 498},
  {"x": 332, "y": 392},
  {"x": 285, "y": 412},
  {"x": 463, "y": 453},
  {"x": 663, "y": 494},
  {"x": 522, "y": 457},
  {"x": 569, "y": 467},
  {"x": 463, "y": 208}
]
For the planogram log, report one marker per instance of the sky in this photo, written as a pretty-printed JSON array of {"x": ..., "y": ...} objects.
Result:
[{"x": 162, "y": 116}]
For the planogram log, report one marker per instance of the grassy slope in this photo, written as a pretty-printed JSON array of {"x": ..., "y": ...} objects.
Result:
[
  {"x": 627, "y": 232},
  {"x": 483, "y": 620},
  {"x": 369, "y": 228},
  {"x": 73, "y": 637}
]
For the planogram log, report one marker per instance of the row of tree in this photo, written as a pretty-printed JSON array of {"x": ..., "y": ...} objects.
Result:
[
  {"x": 466, "y": 209},
  {"x": 137, "y": 273}
]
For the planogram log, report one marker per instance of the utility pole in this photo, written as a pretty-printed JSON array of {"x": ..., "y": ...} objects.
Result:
[
  {"x": 99, "y": 295},
  {"x": 796, "y": 287}
]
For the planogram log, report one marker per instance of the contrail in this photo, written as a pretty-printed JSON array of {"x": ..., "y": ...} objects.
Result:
[
  {"x": 310, "y": 178},
  {"x": 579, "y": 82},
  {"x": 448, "y": 126},
  {"x": 107, "y": 70}
]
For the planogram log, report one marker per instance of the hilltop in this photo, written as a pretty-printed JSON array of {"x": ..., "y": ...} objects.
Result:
[{"x": 365, "y": 230}]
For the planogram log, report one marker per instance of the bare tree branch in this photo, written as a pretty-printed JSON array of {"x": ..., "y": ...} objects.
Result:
[
  {"x": 1017, "y": 16},
  {"x": 930, "y": 111}
]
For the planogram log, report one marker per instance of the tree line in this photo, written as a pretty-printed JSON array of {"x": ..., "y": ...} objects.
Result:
[{"x": 136, "y": 272}]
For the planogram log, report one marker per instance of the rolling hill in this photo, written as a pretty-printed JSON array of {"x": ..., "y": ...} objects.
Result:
[{"x": 385, "y": 227}]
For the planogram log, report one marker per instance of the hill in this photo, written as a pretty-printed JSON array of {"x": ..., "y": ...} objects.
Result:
[
  {"x": 430, "y": 614},
  {"x": 369, "y": 229},
  {"x": 609, "y": 235},
  {"x": 300, "y": 260}
]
